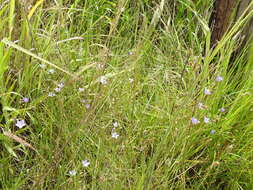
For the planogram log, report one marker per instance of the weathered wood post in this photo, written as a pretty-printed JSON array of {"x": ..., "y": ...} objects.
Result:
[
  {"x": 248, "y": 31},
  {"x": 225, "y": 13}
]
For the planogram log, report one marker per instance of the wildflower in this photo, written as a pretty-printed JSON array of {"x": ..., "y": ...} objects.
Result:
[
  {"x": 206, "y": 119},
  {"x": 207, "y": 91},
  {"x": 131, "y": 80},
  {"x": 87, "y": 106},
  {"x": 115, "y": 135},
  {"x": 219, "y": 78},
  {"x": 25, "y": 100},
  {"x": 57, "y": 89},
  {"x": 115, "y": 124},
  {"x": 61, "y": 85},
  {"x": 20, "y": 123},
  {"x": 80, "y": 89},
  {"x": 103, "y": 80},
  {"x": 201, "y": 106},
  {"x": 85, "y": 163},
  {"x": 43, "y": 66},
  {"x": 212, "y": 131},
  {"x": 51, "y": 94},
  {"x": 72, "y": 172},
  {"x": 194, "y": 121},
  {"x": 51, "y": 71},
  {"x": 130, "y": 53},
  {"x": 222, "y": 110}
]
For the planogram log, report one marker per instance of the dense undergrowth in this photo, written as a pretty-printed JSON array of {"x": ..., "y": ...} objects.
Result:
[{"x": 122, "y": 95}]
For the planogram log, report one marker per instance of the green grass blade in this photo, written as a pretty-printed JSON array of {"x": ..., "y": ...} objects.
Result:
[{"x": 11, "y": 17}]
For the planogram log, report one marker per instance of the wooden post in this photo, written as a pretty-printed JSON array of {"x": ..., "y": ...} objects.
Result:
[
  {"x": 225, "y": 13},
  {"x": 248, "y": 31},
  {"x": 221, "y": 18}
]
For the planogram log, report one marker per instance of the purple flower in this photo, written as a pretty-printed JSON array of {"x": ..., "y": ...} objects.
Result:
[
  {"x": 25, "y": 100},
  {"x": 72, "y": 172},
  {"x": 115, "y": 135},
  {"x": 43, "y": 66},
  {"x": 206, "y": 119},
  {"x": 222, "y": 110},
  {"x": 85, "y": 163},
  {"x": 219, "y": 78},
  {"x": 20, "y": 123},
  {"x": 51, "y": 71},
  {"x": 207, "y": 91},
  {"x": 131, "y": 80},
  {"x": 115, "y": 124},
  {"x": 212, "y": 131},
  {"x": 194, "y": 121},
  {"x": 57, "y": 89},
  {"x": 80, "y": 89},
  {"x": 51, "y": 94},
  {"x": 87, "y": 106},
  {"x": 103, "y": 80}
]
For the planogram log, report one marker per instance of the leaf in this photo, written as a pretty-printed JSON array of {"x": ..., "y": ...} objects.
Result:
[
  {"x": 38, "y": 3},
  {"x": 3, "y": 61},
  {"x": 7, "y": 108},
  {"x": 13, "y": 45},
  {"x": 18, "y": 139},
  {"x": 11, "y": 16},
  {"x": 10, "y": 150}
]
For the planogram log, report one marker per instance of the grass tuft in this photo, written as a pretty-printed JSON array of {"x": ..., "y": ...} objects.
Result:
[{"x": 123, "y": 95}]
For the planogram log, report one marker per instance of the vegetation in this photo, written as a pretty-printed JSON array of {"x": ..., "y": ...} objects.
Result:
[{"x": 107, "y": 94}]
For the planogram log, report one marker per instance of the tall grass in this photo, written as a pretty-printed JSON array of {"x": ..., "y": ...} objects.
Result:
[{"x": 138, "y": 69}]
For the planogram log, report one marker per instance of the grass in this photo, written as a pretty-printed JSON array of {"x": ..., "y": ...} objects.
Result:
[{"x": 157, "y": 61}]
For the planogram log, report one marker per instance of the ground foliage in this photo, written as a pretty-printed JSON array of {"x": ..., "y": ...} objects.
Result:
[{"x": 122, "y": 94}]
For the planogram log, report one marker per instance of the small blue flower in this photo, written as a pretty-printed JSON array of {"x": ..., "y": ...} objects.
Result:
[
  {"x": 194, "y": 121},
  {"x": 72, "y": 172},
  {"x": 115, "y": 124},
  {"x": 212, "y": 132},
  {"x": 43, "y": 66},
  {"x": 25, "y": 100},
  {"x": 80, "y": 89},
  {"x": 85, "y": 163},
  {"x": 20, "y": 123},
  {"x": 115, "y": 135},
  {"x": 87, "y": 106},
  {"x": 51, "y": 71},
  {"x": 51, "y": 94},
  {"x": 57, "y": 89},
  {"x": 130, "y": 53},
  {"x": 131, "y": 80},
  {"x": 222, "y": 109},
  {"x": 207, "y": 91},
  {"x": 206, "y": 119},
  {"x": 219, "y": 78},
  {"x": 103, "y": 80}
]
